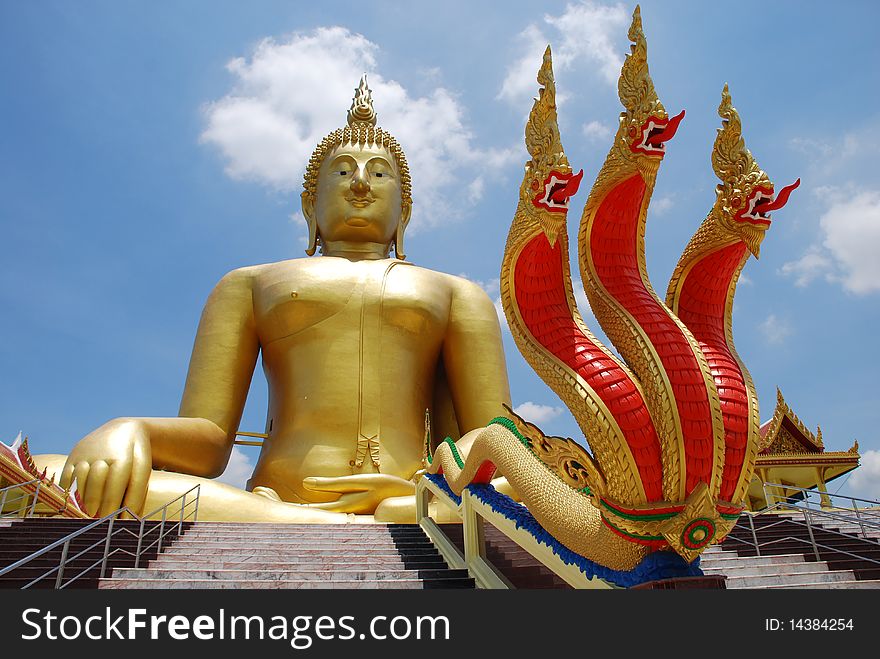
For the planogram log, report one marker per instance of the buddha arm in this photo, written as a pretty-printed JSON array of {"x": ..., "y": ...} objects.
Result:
[
  {"x": 473, "y": 356},
  {"x": 225, "y": 351}
]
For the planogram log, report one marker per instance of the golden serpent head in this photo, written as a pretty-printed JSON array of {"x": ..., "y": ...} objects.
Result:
[
  {"x": 745, "y": 195},
  {"x": 548, "y": 183},
  {"x": 645, "y": 126}
]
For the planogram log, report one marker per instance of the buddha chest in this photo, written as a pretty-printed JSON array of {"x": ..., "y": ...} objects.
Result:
[{"x": 339, "y": 297}]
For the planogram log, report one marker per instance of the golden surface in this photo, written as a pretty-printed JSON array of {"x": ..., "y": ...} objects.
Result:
[{"x": 353, "y": 344}]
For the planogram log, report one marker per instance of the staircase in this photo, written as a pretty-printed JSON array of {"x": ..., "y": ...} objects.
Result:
[
  {"x": 230, "y": 555},
  {"x": 787, "y": 558},
  {"x": 517, "y": 565},
  {"x": 22, "y": 537}
]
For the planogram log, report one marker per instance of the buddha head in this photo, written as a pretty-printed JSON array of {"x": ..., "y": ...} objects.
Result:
[{"x": 357, "y": 185}]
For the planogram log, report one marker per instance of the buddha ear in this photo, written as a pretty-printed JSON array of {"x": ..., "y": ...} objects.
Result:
[
  {"x": 405, "y": 213},
  {"x": 308, "y": 210}
]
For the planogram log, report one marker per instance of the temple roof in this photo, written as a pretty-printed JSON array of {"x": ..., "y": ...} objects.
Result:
[{"x": 785, "y": 437}]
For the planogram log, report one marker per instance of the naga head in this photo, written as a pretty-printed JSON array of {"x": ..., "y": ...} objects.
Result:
[
  {"x": 745, "y": 196},
  {"x": 549, "y": 182},
  {"x": 645, "y": 126}
]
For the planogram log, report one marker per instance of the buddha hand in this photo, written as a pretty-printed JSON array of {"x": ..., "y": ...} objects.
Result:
[
  {"x": 111, "y": 467},
  {"x": 358, "y": 493}
]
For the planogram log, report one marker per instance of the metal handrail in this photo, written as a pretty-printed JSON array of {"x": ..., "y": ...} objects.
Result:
[
  {"x": 808, "y": 513},
  {"x": 807, "y": 490},
  {"x": 24, "y": 495},
  {"x": 832, "y": 514},
  {"x": 111, "y": 518}
]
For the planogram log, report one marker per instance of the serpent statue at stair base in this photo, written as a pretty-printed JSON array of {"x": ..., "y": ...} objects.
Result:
[{"x": 673, "y": 425}]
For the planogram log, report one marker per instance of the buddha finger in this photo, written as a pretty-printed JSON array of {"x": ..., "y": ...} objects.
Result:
[
  {"x": 97, "y": 478},
  {"x": 138, "y": 479},
  {"x": 66, "y": 479},
  {"x": 81, "y": 478},
  {"x": 114, "y": 488}
]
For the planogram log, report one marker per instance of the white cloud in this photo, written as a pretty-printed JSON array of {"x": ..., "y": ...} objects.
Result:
[
  {"x": 288, "y": 94},
  {"x": 865, "y": 481},
  {"x": 596, "y": 131},
  {"x": 775, "y": 330},
  {"x": 850, "y": 234},
  {"x": 585, "y": 33},
  {"x": 814, "y": 263},
  {"x": 238, "y": 470},
  {"x": 537, "y": 413},
  {"x": 661, "y": 205},
  {"x": 475, "y": 190},
  {"x": 852, "y": 237}
]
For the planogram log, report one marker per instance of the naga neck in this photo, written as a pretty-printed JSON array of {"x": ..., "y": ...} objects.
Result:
[{"x": 356, "y": 251}]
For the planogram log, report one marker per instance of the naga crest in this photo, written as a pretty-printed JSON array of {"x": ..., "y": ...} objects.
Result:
[
  {"x": 548, "y": 182},
  {"x": 745, "y": 194},
  {"x": 645, "y": 126}
]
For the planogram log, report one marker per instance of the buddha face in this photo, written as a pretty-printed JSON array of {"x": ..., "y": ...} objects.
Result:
[{"x": 358, "y": 196}]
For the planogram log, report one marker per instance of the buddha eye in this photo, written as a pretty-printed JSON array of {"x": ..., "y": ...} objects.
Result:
[
  {"x": 378, "y": 174},
  {"x": 343, "y": 172}
]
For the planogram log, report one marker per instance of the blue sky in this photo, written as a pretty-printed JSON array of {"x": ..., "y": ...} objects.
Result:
[{"x": 146, "y": 149}]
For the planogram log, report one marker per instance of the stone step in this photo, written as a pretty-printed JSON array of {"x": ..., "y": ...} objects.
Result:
[
  {"x": 298, "y": 546},
  {"x": 847, "y": 585},
  {"x": 778, "y": 560},
  {"x": 257, "y": 574},
  {"x": 284, "y": 537},
  {"x": 764, "y": 570},
  {"x": 286, "y": 551},
  {"x": 792, "y": 580},
  {"x": 395, "y": 584},
  {"x": 330, "y": 563}
]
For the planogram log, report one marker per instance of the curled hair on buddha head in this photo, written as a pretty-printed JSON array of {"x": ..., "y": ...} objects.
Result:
[{"x": 361, "y": 130}]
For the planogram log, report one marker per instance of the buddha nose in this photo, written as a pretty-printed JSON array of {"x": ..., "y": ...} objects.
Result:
[{"x": 360, "y": 184}]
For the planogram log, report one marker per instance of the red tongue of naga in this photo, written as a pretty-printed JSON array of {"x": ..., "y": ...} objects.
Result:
[
  {"x": 781, "y": 198},
  {"x": 669, "y": 131},
  {"x": 570, "y": 189}
]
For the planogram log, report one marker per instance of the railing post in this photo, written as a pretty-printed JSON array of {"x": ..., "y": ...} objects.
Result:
[
  {"x": 137, "y": 555},
  {"x": 61, "y": 565},
  {"x": 162, "y": 529},
  {"x": 36, "y": 498},
  {"x": 182, "y": 508},
  {"x": 198, "y": 496},
  {"x": 107, "y": 547},
  {"x": 806, "y": 512},
  {"x": 754, "y": 535},
  {"x": 859, "y": 517}
]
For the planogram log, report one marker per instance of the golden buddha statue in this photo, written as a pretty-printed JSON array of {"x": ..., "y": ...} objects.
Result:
[{"x": 355, "y": 344}]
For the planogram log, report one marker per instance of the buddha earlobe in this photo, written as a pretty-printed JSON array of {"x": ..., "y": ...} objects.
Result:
[
  {"x": 405, "y": 213},
  {"x": 308, "y": 210}
]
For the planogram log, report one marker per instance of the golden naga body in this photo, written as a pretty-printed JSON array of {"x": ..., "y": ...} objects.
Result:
[
  {"x": 355, "y": 346},
  {"x": 673, "y": 425}
]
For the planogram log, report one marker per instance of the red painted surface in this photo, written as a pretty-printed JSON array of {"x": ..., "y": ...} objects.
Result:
[
  {"x": 540, "y": 294},
  {"x": 614, "y": 250},
  {"x": 701, "y": 305}
]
